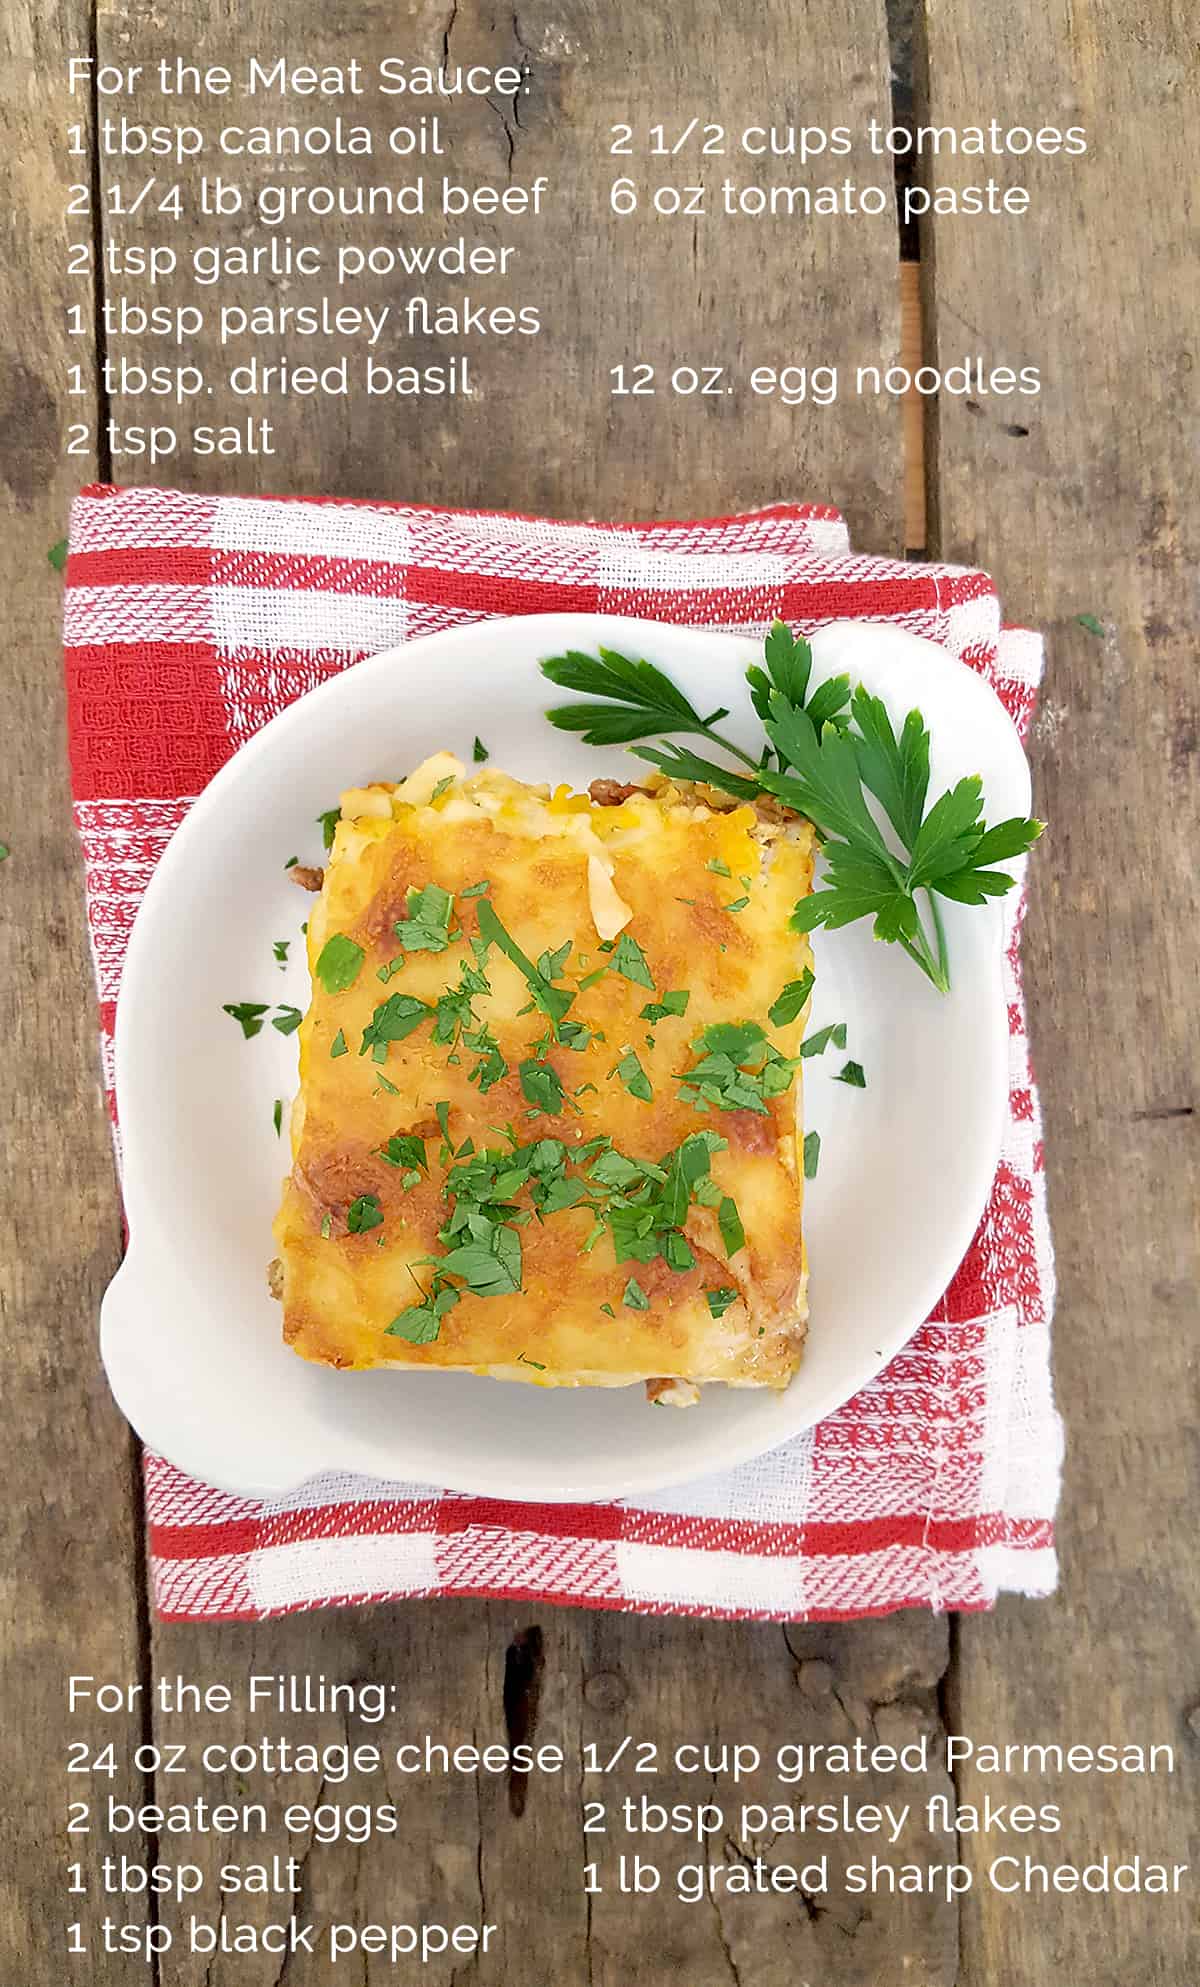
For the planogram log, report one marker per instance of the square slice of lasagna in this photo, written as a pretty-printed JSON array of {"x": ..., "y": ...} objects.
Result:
[{"x": 548, "y": 1120}]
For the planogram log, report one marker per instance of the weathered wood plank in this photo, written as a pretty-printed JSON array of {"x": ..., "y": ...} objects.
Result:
[
  {"x": 542, "y": 431},
  {"x": 1085, "y": 503},
  {"x": 70, "y": 1565}
]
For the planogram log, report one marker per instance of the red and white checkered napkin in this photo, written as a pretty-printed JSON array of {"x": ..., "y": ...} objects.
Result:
[{"x": 189, "y": 621}]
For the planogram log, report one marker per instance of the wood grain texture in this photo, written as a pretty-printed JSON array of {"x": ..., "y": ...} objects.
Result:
[
  {"x": 70, "y": 1565},
  {"x": 475, "y": 1849},
  {"x": 1086, "y": 503},
  {"x": 542, "y": 432}
]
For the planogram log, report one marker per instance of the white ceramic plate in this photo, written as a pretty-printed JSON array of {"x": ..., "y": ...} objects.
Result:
[{"x": 190, "y": 1336}]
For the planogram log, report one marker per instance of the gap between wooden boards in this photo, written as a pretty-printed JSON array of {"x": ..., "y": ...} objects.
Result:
[{"x": 912, "y": 410}]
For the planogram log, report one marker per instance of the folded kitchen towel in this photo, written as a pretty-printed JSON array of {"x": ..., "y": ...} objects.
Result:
[{"x": 190, "y": 621}]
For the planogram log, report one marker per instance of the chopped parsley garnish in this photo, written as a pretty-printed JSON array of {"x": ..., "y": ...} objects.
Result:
[
  {"x": 551, "y": 1000},
  {"x": 394, "y": 1020},
  {"x": 421, "y": 1323},
  {"x": 338, "y": 1045},
  {"x": 443, "y": 786},
  {"x": 280, "y": 949},
  {"x": 427, "y": 926},
  {"x": 630, "y": 961},
  {"x": 1093, "y": 625},
  {"x": 720, "y": 1299},
  {"x": 383, "y": 1084},
  {"x": 291, "y": 862},
  {"x": 247, "y": 1013},
  {"x": 338, "y": 963},
  {"x": 521, "y": 1359},
  {"x": 738, "y": 904},
  {"x": 479, "y": 752},
  {"x": 634, "y": 1297},
  {"x": 817, "y": 1043},
  {"x": 491, "y": 1065},
  {"x": 405, "y": 1149},
  {"x": 738, "y": 1070},
  {"x": 477, "y": 889},
  {"x": 287, "y": 1020},
  {"x": 812, "y": 1154},
  {"x": 730, "y": 1223},
  {"x": 327, "y": 822},
  {"x": 363, "y": 1214},
  {"x": 542, "y": 1086},
  {"x": 718, "y": 867},
  {"x": 608, "y": 1310},
  {"x": 57, "y": 555},
  {"x": 453, "y": 1010},
  {"x": 633, "y": 1076},
  {"x": 277, "y": 1116},
  {"x": 788, "y": 1004},
  {"x": 490, "y": 1268},
  {"x": 853, "y": 1074},
  {"x": 672, "y": 1002}
]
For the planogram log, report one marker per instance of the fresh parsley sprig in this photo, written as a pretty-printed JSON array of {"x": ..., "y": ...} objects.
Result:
[{"x": 826, "y": 749}]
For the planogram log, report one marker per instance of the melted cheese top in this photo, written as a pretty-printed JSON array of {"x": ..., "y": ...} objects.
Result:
[{"x": 559, "y": 867}]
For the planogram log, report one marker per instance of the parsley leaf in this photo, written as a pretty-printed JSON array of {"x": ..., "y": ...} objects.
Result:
[
  {"x": 852, "y": 1073},
  {"x": 427, "y": 926},
  {"x": 479, "y": 752},
  {"x": 812, "y": 1154},
  {"x": 338, "y": 963},
  {"x": 248, "y": 1014},
  {"x": 672, "y": 1002},
  {"x": 394, "y": 1020},
  {"x": 788, "y": 1004},
  {"x": 287, "y": 1020},
  {"x": 405, "y": 1149},
  {"x": 280, "y": 947},
  {"x": 553, "y": 1001},
  {"x": 729, "y": 1222},
  {"x": 338, "y": 1045},
  {"x": 630, "y": 961},
  {"x": 634, "y": 1297},
  {"x": 443, "y": 786},
  {"x": 57, "y": 555},
  {"x": 633, "y": 1076},
  {"x": 489, "y": 1269},
  {"x": 718, "y": 867},
  {"x": 646, "y": 703},
  {"x": 1093, "y": 625},
  {"x": 541, "y": 1086},
  {"x": 720, "y": 1299},
  {"x": 277, "y": 1116},
  {"x": 327, "y": 823},
  {"x": 420, "y": 1324},
  {"x": 363, "y": 1214}
]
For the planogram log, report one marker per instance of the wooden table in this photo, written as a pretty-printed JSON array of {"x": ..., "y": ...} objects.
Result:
[{"x": 1084, "y": 507}]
